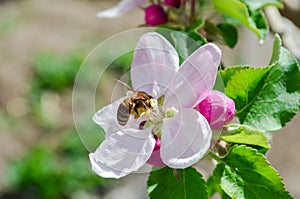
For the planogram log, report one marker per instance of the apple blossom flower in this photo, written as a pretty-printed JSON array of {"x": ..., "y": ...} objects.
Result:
[
  {"x": 155, "y": 15},
  {"x": 217, "y": 108},
  {"x": 172, "y": 132},
  {"x": 122, "y": 8}
]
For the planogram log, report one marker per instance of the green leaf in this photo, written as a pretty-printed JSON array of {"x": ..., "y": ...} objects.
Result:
[
  {"x": 180, "y": 44},
  {"x": 186, "y": 43},
  {"x": 255, "y": 12},
  {"x": 223, "y": 33},
  {"x": 259, "y": 4},
  {"x": 195, "y": 26},
  {"x": 266, "y": 98},
  {"x": 246, "y": 174},
  {"x": 243, "y": 87},
  {"x": 261, "y": 23},
  {"x": 278, "y": 100},
  {"x": 200, "y": 40},
  {"x": 229, "y": 72},
  {"x": 229, "y": 33},
  {"x": 241, "y": 134},
  {"x": 219, "y": 85},
  {"x": 253, "y": 19},
  {"x": 276, "y": 50},
  {"x": 213, "y": 188},
  {"x": 166, "y": 33},
  {"x": 184, "y": 183}
]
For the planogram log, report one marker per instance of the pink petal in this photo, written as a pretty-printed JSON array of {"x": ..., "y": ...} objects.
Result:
[
  {"x": 196, "y": 76},
  {"x": 122, "y": 8},
  {"x": 154, "y": 64},
  {"x": 185, "y": 139},
  {"x": 122, "y": 153},
  {"x": 217, "y": 108},
  {"x": 107, "y": 119},
  {"x": 155, "y": 158}
]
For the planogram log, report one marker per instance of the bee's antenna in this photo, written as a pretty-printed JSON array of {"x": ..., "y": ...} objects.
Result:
[{"x": 124, "y": 84}]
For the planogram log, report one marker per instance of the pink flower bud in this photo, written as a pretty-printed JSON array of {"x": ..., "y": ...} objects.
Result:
[
  {"x": 217, "y": 108},
  {"x": 155, "y": 15},
  {"x": 155, "y": 158},
  {"x": 173, "y": 3}
]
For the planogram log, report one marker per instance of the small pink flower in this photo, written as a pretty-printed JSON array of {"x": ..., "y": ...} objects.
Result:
[
  {"x": 217, "y": 108},
  {"x": 155, "y": 15},
  {"x": 122, "y": 8},
  {"x": 175, "y": 134},
  {"x": 173, "y": 3}
]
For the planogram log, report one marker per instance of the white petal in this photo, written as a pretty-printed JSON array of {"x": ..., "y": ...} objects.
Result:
[
  {"x": 196, "y": 76},
  {"x": 122, "y": 8},
  {"x": 146, "y": 168},
  {"x": 107, "y": 119},
  {"x": 122, "y": 153},
  {"x": 185, "y": 139},
  {"x": 154, "y": 64}
]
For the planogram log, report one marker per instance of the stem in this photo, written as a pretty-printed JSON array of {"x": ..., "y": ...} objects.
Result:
[
  {"x": 193, "y": 7},
  {"x": 175, "y": 174},
  {"x": 159, "y": 2},
  {"x": 183, "y": 11},
  {"x": 184, "y": 4},
  {"x": 215, "y": 156},
  {"x": 238, "y": 112}
]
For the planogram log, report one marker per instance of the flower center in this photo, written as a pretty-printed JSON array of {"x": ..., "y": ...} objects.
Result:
[{"x": 155, "y": 115}]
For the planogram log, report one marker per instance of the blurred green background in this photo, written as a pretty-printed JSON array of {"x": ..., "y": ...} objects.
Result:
[{"x": 42, "y": 45}]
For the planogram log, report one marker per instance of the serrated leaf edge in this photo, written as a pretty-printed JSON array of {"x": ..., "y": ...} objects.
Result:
[
  {"x": 249, "y": 104},
  {"x": 224, "y": 137},
  {"x": 256, "y": 153}
]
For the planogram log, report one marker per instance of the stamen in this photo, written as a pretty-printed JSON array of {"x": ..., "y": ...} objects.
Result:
[
  {"x": 171, "y": 112},
  {"x": 154, "y": 94},
  {"x": 155, "y": 115}
]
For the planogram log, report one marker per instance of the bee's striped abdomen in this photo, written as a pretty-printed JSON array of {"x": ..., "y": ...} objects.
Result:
[
  {"x": 137, "y": 104},
  {"x": 124, "y": 111}
]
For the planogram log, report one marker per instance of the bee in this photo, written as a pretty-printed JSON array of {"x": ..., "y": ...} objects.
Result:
[{"x": 137, "y": 103}]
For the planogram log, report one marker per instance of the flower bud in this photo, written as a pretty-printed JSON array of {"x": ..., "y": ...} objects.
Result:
[
  {"x": 155, "y": 158},
  {"x": 217, "y": 108},
  {"x": 155, "y": 15},
  {"x": 173, "y": 3}
]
